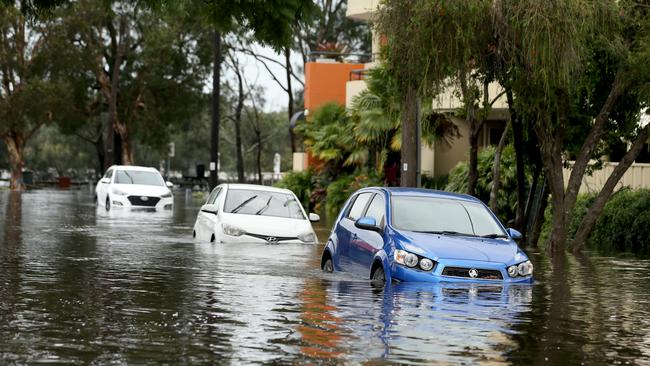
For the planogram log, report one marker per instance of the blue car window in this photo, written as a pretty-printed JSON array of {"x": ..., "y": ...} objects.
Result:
[
  {"x": 482, "y": 220},
  {"x": 376, "y": 209},
  {"x": 429, "y": 214},
  {"x": 358, "y": 206}
]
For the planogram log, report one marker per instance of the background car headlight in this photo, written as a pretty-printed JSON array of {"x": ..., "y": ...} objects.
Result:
[
  {"x": 232, "y": 230},
  {"x": 426, "y": 264},
  {"x": 307, "y": 237},
  {"x": 166, "y": 195},
  {"x": 118, "y": 192}
]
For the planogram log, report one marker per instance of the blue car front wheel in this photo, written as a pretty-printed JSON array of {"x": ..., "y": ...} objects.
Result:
[{"x": 378, "y": 276}]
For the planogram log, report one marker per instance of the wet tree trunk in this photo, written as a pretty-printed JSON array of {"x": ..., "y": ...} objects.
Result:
[
  {"x": 496, "y": 171},
  {"x": 15, "y": 143},
  {"x": 237, "y": 121},
  {"x": 588, "y": 222},
  {"x": 409, "y": 139}
]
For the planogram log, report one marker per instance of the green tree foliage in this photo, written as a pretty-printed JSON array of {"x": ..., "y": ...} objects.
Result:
[
  {"x": 564, "y": 64},
  {"x": 32, "y": 92}
]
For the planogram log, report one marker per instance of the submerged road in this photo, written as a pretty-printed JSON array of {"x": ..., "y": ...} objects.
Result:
[{"x": 79, "y": 285}]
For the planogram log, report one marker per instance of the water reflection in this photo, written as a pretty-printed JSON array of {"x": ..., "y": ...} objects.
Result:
[{"x": 81, "y": 285}]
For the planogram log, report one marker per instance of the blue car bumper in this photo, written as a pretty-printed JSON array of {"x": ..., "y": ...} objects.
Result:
[{"x": 458, "y": 271}]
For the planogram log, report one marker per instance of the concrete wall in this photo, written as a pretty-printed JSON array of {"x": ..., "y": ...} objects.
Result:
[
  {"x": 637, "y": 176},
  {"x": 352, "y": 89}
]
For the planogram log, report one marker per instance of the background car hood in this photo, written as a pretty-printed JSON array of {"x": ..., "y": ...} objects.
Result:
[
  {"x": 268, "y": 225},
  {"x": 460, "y": 247},
  {"x": 141, "y": 190}
]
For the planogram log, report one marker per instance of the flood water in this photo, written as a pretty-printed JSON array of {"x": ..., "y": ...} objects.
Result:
[{"x": 79, "y": 285}]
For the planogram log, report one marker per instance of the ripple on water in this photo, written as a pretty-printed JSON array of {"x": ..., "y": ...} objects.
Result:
[{"x": 89, "y": 286}]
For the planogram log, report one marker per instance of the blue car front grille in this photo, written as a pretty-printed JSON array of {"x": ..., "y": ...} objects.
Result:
[{"x": 484, "y": 274}]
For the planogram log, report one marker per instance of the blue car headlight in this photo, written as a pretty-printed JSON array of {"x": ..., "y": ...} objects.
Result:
[
  {"x": 522, "y": 269},
  {"x": 413, "y": 260}
]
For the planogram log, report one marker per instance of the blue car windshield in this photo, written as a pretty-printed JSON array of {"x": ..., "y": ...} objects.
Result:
[
  {"x": 441, "y": 215},
  {"x": 263, "y": 203},
  {"x": 143, "y": 177}
]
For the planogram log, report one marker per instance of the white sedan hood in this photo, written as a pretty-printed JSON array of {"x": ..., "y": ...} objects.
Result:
[
  {"x": 268, "y": 225},
  {"x": 142, "y": 190}
]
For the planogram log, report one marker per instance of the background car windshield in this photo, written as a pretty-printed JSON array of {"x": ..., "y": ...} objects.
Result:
[
  {"x": 429, "y": 214},
  {"x": 138, "y": 177},
  {"x": 253, "y": 202}
]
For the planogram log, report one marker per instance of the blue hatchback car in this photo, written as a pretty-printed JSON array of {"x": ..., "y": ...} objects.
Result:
[{"x": 422, "y": 235}]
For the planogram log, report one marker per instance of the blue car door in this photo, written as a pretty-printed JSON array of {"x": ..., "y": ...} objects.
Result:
[
  {"x": 367, "y": 242},
  {"x": 346, "y": 232}
]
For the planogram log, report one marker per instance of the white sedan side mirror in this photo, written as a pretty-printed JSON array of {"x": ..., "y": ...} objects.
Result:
[
  {"x": 169, "y": 184},
  {"x": 314, "y": 217},
  {"x": 105, "y": 180}
]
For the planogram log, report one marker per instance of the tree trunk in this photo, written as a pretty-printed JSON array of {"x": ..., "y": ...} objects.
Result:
[
  {"x": 409, "y": 139},
  {"x": 237, "y": 120},
  {"x": 518, "y": 142},
  {"x": 474, "y": 127},
  {"x": 127, "y": 149},
  {"x": 496, "y": 170},
  {"x": 99, "y": 149},
  {"x": 287, "y": 61},
  {"x": 551, "y": 153},
  {"x": 15, "y": 143},
  {"x": 591, "y": 143},
  {"x": 258, "y": 159},
  {"x": 538, "y": 222},
  {"x": 589, "y": 220},
  {"x": 216, "y": 111}
]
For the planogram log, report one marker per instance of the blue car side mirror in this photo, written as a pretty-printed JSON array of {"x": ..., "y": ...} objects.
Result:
[
  {"x": 367, "y": 223},
  {"x": 516, "y": 235}
]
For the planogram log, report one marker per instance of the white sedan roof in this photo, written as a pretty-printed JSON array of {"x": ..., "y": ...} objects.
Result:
[
  {"x": 257, "y": 187},
  {"x": 133, "y": 167}
]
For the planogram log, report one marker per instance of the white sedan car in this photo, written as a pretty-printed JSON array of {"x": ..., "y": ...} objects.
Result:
[
  {"x": 133, "y": 187},
  {"x": 244, "y": 213}
]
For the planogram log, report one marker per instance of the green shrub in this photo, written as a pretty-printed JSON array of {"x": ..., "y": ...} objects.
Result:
[
  {"x": 435, "y": 182},
  {"x": 339, "y": 190},
  {"x": 300, "y": 183},
  {"x": 623, "y": 226},
  {"x": 507, "y": 195}
]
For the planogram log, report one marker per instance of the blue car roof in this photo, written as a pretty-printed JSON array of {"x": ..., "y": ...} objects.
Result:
[{"x": 404, "y": 191}]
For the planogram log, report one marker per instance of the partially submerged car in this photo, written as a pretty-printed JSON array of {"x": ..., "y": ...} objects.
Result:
[
  {"x": 131, "y": 186},
  {"x": 422, "y": 235},
  {"x": 247, "y": 213}
]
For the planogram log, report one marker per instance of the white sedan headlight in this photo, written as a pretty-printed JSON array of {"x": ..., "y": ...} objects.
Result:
[
  {"x": 119, "y": 192},
  {"x": 167, "y": 195},
  {"x": 232, "y": 230},
  {"x": 307, "y": 237}
]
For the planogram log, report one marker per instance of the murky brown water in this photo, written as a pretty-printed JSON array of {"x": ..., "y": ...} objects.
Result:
[{"x": 80, "y": 286}]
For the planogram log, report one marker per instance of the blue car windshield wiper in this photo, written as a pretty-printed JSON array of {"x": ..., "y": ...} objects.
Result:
[
  {"x": 445, "y": 232},
  {"x": 494, "y": 236},
  {"x": 241, "y": 205}
]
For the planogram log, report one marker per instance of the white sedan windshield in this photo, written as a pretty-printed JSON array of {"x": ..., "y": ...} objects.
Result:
[
  {"x": 254, "y": 202},
  {"x": 438, "y": 215},
  {"x": 138, "y": 177}
]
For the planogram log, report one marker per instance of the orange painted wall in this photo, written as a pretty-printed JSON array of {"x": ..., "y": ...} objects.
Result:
[{"x": 325, "y": 82}]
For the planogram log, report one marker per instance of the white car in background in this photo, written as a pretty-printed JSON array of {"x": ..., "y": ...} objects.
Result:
[
  {"x": 133, "y": 187},
  {"x": 245, "y": 213}
]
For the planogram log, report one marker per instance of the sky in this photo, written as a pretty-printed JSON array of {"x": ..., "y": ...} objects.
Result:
[{"x": 256, "y": 74}]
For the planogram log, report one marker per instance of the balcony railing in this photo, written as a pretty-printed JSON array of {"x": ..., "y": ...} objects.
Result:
[{"x": 340, "y": 56}]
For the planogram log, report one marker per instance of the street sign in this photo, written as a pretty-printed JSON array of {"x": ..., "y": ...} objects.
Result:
[{"x": 172, "y": 149}]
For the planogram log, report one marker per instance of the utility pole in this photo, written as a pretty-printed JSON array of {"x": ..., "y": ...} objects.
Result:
[{"x": 216, "y": 112}]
